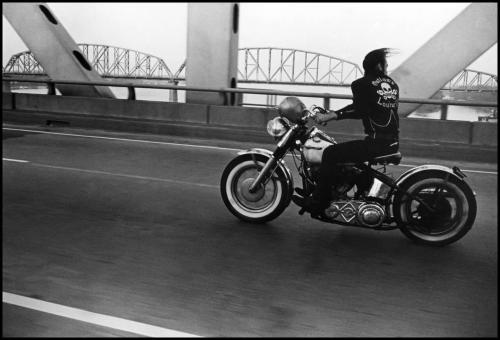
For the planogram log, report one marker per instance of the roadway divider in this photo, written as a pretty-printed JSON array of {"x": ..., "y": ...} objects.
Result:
[
  {"x": 460, "y": 140},
  {"x": 119, "y": 108}
]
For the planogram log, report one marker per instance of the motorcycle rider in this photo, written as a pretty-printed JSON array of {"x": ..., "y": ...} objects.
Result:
[{"x": 375, "y": 102}]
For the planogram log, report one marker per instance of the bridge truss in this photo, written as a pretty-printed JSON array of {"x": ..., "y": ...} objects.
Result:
[
  {"x": 23, "y": 63},
  {"x": 120, "y": 62},
  {"x": 470, "y": 80},
  {"x": 279, "y": 65},
  {"x": 108, "y": 61},
  {"x": 273, "y": 65},
  {"x": 256, "y": 65}
]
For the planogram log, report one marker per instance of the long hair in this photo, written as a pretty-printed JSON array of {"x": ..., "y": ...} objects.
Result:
[{"x": 375, "y": 57}]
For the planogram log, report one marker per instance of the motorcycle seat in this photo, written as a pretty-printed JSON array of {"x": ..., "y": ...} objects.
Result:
[{"x": 393, "y": 158}]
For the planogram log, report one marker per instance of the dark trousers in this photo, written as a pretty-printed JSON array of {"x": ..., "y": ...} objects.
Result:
[{"x": 356, "y": 151}]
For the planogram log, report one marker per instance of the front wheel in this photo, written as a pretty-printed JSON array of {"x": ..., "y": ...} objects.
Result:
[
  {"x": 453, "y": 210},
  {"x": 267, "y": 203}
]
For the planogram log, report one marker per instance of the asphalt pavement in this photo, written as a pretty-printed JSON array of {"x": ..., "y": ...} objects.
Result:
[{"x": 133, "y": 227}]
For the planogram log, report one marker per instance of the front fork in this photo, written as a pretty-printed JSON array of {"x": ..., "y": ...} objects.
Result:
[
  {"x": 272, "y": 163},
  {"x": 263, "y": 174}
]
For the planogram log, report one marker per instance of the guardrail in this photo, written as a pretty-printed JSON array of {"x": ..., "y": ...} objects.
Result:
[{"x": 227, "y": 92}]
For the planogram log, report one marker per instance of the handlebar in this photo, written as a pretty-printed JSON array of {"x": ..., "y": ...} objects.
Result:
[
  {"x": 314, "y": 111},
  {"x": 318, "y": 108}
]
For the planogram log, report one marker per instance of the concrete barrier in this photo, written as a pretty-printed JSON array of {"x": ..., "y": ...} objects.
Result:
[
  {"x": 240, "y": 116},
  {"x": 7, "y": 101},
  {"x": 176, "y": 112},
  {"x": 435, "y": 130},
  {"x": 484, "y": 133},
  {"x": 420, "y": 137}
]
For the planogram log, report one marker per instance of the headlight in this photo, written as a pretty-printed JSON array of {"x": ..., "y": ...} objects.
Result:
[{"x": 276, "y": 127}]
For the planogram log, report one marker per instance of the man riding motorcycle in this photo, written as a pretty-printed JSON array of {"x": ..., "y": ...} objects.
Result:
[{"x": 375, "y": 102}]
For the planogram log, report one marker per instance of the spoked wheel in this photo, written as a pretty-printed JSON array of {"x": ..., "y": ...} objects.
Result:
[
  {"x": 444, "y": 214},
  {"x": 267, "y": 203}
]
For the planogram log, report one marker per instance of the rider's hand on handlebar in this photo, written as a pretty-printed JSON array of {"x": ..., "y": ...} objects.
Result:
[
  {"x": 320, "y": 119},
  {"x": 325, "y": 116},
  {"x": 318, "y": 109},
  {"x": 318, "y": 112}
]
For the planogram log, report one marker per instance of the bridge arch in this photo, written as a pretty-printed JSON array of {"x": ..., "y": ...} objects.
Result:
[
  {"x": 23, "y": 62},
  {"x": 108, "y": 61},
  {"x": 286, "y": 65},
  {"x": 121, "y": 62},
  {"x": 471, "y": 80},
  {"x": 256, "y": 65}
]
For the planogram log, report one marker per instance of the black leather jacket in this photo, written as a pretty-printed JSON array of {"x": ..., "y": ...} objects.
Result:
[{"x": 375, "y": 101}]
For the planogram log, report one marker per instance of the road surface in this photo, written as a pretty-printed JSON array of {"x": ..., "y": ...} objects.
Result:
[{"x": 133, "y": 227}]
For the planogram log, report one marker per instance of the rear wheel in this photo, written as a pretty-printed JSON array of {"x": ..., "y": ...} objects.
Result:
[
  {"x": 267, "y": 203},
  {"x": 451, "y": 217}
]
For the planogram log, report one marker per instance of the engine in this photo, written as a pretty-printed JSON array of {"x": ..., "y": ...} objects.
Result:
[{"x": 367, "y": 214}]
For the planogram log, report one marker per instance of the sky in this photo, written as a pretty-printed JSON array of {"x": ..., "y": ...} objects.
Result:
[{"x": 343, "y": 30}]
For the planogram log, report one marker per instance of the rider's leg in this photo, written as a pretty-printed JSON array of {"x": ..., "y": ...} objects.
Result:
[
  {"x": 356, "y": 151},
  {"x": 352, "y": 151}
]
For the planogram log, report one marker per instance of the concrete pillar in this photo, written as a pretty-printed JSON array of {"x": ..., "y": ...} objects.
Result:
[
  {"x": 53, "y": 47},
  {"x": 173, "y": 93},
  {"x": 212, "y": 51},
  {"x": 451, "y": 50},
  {"x": 271, "y": 100}
]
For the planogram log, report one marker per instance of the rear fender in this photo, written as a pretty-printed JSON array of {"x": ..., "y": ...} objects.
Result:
[
  {"x": 437, "y": 169},
  {"x": 408, "y": 176}
]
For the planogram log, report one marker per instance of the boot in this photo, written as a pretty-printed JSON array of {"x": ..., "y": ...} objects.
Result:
[
  {"x": 309, "y": 204},
  {"x": 300, "y": 191}
]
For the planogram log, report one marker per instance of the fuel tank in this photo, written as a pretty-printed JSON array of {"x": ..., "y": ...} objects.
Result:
[{"x": 314, "y": 147}]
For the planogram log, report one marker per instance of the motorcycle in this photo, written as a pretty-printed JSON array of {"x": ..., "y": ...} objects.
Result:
[{"x": 430, "y": 204}]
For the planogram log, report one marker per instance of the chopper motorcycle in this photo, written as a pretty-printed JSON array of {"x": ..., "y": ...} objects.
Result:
[{"x": 430, "y": 204}]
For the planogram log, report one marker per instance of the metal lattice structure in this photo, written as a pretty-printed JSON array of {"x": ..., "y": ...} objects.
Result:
[
  {"x": 24, "y": 63},
  {"x": 108, "y": 61},
  {"x": 470, "y": 80},
  {"x": 256, "y": 65},
  {"x": 113, "y": 61},
  {"x": 283, "y": 65},
  {"x": 273, "y": 65}
]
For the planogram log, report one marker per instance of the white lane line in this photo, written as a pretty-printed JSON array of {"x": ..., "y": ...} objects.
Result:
[
  {"x": 124, "y": 175},
  {"x": 14, "y": 160},
  {"x": 188, "y": 145},
  {"x": 93, "y": 318},
  {"x": 125, "y": 139}
]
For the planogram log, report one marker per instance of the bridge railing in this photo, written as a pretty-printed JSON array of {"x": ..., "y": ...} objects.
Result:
[{"x": 231, "y": 92}]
